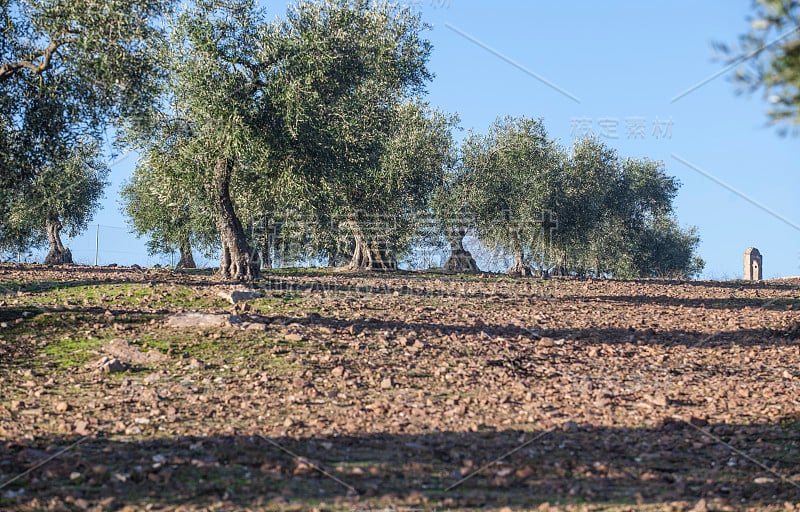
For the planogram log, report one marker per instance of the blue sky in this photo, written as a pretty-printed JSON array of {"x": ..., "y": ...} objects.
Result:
[{"x": 614, "y": 68}]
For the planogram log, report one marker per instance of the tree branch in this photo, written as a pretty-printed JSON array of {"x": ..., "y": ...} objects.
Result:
[{"x": 10, "y": 69}]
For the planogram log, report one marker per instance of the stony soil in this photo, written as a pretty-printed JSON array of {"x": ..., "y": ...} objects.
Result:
[{"x": 400, "y": 391}]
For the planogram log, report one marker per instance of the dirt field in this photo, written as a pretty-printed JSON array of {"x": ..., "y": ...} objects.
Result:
[{"x": 397, "y": 392}]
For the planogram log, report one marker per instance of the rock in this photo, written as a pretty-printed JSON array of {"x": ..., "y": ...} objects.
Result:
[
  {"x": 238, "y": 295},
  {"x": 12, "y": 494},
  {"x": 62, "y": 407},
  {"x": 417, "y": 346},
  {"x": 253, "y": 326},
  {"x": 294, "y": 337},
  {"x": 81, "y": 428},
  {"x": 570, "y": 426},
  {"x": 188, "y": 320},
  {"x": 196, "y": 364},
  {"x": 387, "y": 383},
  {"x": 122, "y": 350},
  {"x": 658, "y": 400},
  {"x": 546, "y": 343},
  {"x": 107, "y": 364},
  {"x": 338, "y": 371}
]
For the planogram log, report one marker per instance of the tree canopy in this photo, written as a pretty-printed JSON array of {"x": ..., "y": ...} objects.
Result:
[
  {"x": 309, "y": 131},
  {"x": 767, "y": 57},
  {"x": 67, "y": 71}
]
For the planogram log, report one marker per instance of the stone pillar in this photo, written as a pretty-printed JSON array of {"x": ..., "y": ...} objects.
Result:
[{"x": 752, "y": 265}]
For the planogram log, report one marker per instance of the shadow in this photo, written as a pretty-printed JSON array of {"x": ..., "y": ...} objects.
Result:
[
  {"x": 765, "y": 303},
  {"x": 479, "y": 286},
  {"x": 776, "y": 284},
  {"x": 579, "y": 464},
  {"x": 790, "y": 335}
]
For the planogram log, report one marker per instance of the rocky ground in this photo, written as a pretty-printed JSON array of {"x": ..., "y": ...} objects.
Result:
[{"x": 333, "y": 391}]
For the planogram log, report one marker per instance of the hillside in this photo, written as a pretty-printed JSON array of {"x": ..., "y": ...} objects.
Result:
[{"x": 336, "y": 391}]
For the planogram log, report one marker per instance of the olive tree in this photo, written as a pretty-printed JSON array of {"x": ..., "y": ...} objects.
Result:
[
  {"x": 637, "y": 234},
  {"x": 386, "y": 203},
  {"x": 452, "y": 210},
  {"x": 355, "y": 66},
  {"x": 513, "y": 170},
  {"x": 67, "y": 71},
  {"x": 163, "y": 202},
  {"x": 311, "y": 100},
  {"x": 64, "y": 195}
]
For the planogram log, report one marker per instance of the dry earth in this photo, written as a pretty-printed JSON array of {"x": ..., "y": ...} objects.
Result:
[{"x": 397, "y": 392}]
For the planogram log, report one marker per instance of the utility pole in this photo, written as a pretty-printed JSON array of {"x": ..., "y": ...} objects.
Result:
[{"x": 97, "y": 246}]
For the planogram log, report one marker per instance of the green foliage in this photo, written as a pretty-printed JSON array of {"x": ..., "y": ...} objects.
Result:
[
  {"x": 68, "y": 190},
  {"x": 511, "y": 176},
  {"x": 620, "y": 220},
  {"x": 167, "y": 204},
  {"x": 390, "y": 201},
  {"x": 63, "y": 169},
  {"x": 308, "y": 119},
  {"x": 768, "y": 58},
  {"x": 67, "y": 69},
  {"x": 584, "y": 213},
  {"x": 96, "y": 56},
  {"x": 373, "y": 155}
]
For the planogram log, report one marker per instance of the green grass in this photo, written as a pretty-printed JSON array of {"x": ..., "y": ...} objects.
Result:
[
  {"x": 278, "y": 302},
  {"x": 72, "y": 352},
  {"x": 110, "y": 295},
  {"x": 253, "y": 351}
]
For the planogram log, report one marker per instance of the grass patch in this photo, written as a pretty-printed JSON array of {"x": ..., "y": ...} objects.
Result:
[
  {"x": 254, "y": 351},
  {"x": 71, "y": 352}
]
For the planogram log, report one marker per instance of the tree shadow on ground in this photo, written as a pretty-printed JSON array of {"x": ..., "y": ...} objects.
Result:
[
  {"x": 753, "y": 303},
  {"x": 383, "y": 284},
  {"x": 607, "y": 335},
  {"x": 587, "y": 464},
  {"x": 735, "y": 284}
]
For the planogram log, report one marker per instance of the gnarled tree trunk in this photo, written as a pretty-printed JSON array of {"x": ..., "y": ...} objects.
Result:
[
  {"x": 519, "y": 268},
  {"x": 58, "y": 254},
  {"x": 460, "y": 259},
  {"x": 370, "y": 254},
  {"x": 236, "y": 260},
  {"x": 266, "y": 257},
  {"x": 187, "y": 258}
]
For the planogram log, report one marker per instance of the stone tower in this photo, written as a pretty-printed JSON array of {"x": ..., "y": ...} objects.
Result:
[{"x": 752, "y": 265}]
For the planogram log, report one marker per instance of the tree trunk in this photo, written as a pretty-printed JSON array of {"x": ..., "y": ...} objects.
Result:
[
  {"x": 460, "y": 259},
  {"x": 519, "y": 268},
  {"x": 187, "y": 258},
  {"x": 236, "y": 261},
  {"x": 369, "y": 254},
  {"x": 58, "y": 255},
  {"x": 266, "y": 257}
]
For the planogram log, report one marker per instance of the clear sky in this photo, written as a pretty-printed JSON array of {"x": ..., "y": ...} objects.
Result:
[{"x": 617, "y": 69}]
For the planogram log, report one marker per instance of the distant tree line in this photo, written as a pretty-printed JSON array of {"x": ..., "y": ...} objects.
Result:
[{"x": 310, "y": 132}]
